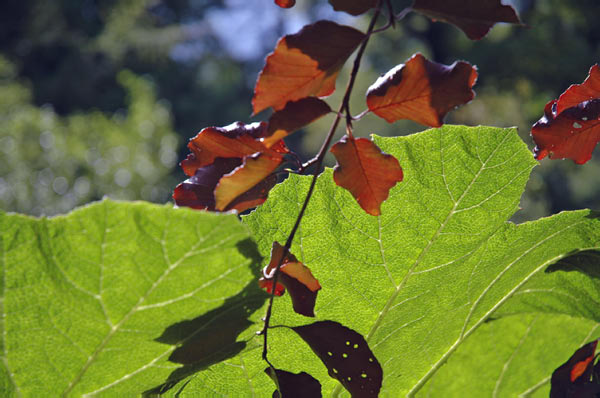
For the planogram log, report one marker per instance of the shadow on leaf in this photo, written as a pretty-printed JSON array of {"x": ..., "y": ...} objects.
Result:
[
  {"x": 587, "y": 262},
  {"x": 212, "y": 337}
]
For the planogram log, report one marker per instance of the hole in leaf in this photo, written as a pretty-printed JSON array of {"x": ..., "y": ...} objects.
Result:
[{"x": 345, "y": 355}]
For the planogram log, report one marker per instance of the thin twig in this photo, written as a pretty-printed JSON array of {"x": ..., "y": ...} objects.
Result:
[{"x": 319, "y": 163}]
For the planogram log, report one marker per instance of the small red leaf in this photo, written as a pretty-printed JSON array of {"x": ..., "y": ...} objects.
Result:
[
  {"x": 474, "y": 17},
  {"x": 197, "y": 191},
  {"x": 353, "y": 7},
  {"x": 294, "y": 116},
  {"x": 365, "y": 171},
  {"x": 285, "y": 3},
  {"x": 422, "y": 91},
  {"x": 234, "y": 141},
  {"x": 294, "y": 385},
  {"x": 304, "y": 64},
  {"x": 570, "y": 127},
  {"x": 574, "y": 377},
  {"x": 346, "y": 355},
  {"x": 254, "y": 169},
  {"x": 295, "y": 277}
]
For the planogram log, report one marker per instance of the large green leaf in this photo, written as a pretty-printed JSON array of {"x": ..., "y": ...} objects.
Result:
[
  {"x": 422, "y": 278},
  {"x": 96, "y": 302},
  {"x": 132, "y": 298},
  {"x": 513, "y": 356}
]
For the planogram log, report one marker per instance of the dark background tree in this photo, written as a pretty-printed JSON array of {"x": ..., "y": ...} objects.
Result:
[{"x": 74, "y": 126}]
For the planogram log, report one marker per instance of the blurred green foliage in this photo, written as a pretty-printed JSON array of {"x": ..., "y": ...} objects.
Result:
[
  {"x": 51, "y": 163},
  {"x": 63, "y": 83}
]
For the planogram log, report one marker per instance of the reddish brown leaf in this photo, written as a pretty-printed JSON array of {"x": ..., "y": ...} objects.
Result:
[
  {"x": 304, "y": 64},
  {"x": 365, "y": 171},
  {"x": 234, "y": 141},
  {"x": 295, "y": 277},
  {"x": 254, "y": 169},
  {"x": 574, "y": 377},
  {"x": 285, "y": 3},
  {"x": 474, "y": 17},
  {"x": 577, "y": 93},
  {"x": 570, "y": 127},
  {"x": 422, "y": 91},
  {"x": 197, "y": 191},
  {"x": 294, "y": 116},
  {"x": 346, "y": 355},
  {"x": 353, "y": 7},
  {"x": 294, "y": 385}
]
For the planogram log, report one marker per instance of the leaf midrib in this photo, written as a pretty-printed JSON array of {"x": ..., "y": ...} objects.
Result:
[
  {"x": 113, "y": 330},
  {"x": 400, "y": 287}
]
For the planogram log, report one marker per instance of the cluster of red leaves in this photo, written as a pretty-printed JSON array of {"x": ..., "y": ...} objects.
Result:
[
  {"x": 579, "y": 376},
  {"x": 570, "y": 127}
]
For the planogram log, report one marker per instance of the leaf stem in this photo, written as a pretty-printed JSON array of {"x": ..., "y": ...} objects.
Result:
[{"x": 319, "y": 163}]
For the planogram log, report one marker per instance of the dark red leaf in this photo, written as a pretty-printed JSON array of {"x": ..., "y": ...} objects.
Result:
[
  {"x": 474, "y": 17},
  {"x": 353, "y": 7},
  {"x": 570, "y": 127},
  {"x": 254, "y": 170},
  {"x": 346, "y": 355},
  {"x": 304, "y": 64},
  {"x": 573, "y": 378},
  {"x": 285, "y": 3},
  {"x": 294, "y": 116},
  {"x": 294, "y": 385},
  {"x": 365, "y": 171},
  {"x": 422, "y": 91},
  {"x": 197, "y": 191},
  {"x": 295, "y": 277},
  {"x": 234, "y": 141}
]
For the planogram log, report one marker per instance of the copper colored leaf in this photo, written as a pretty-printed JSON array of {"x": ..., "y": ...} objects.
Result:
[
  {"x": 474, "y": 17},
  {"x": 295, "y": 277},
  {"x": 346, "y": 355},
  {"x": 198, "y": 191},
  {"x": 294, "y": 116},
  {"x": 285, "y": 3},
  {"x": 234, "y": 141},
  {"x": 353, "y": 7},
  {"x": 254, "y": 169},
  {"x": 570, "y": 127},
  {"x": 304, "y": 64},
  {"x": 294, "y": 385},
  {"x": 573, "y": 378},
  {"x": 365, "y": 171},
  {"x": 422, "y": 90}
]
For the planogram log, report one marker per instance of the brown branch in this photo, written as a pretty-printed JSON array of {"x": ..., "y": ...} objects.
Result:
[{"x": 319, "y": 162}]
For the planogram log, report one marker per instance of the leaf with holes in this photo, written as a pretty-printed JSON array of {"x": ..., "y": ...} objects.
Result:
[
  {"x": 346, "y": 355},
  {"x": 96, "y": 303},
  {"x": 422, "y": 91},
  {"x": 420, "y": 280},
  {"x": 294, "y": 385},
  {"x": 304, "y": 64},
  {"x": 570, "y": 127},
  {"x": 474, "y": 17},
  {"x": 365, "y": 171},
  {"x": 293, "y": 276}
]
